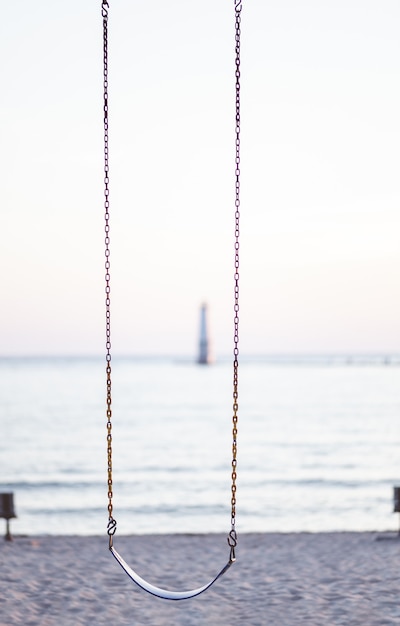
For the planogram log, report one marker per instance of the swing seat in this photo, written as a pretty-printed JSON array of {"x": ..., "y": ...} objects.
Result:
[{"x": 166, "y": 593}]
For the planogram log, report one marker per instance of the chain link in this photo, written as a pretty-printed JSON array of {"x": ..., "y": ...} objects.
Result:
[
  {"x": 238, "y": 9},
  {"x": 111, "y": 522}
]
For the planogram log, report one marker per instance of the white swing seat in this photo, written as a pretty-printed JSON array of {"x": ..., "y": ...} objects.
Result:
[{"x": 166, "y": 593}]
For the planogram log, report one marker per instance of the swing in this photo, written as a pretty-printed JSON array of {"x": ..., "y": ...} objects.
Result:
[{"x": 112, "y": 524}]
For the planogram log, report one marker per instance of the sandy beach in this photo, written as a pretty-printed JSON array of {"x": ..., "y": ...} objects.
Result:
[{"x": 283, "y": 579}]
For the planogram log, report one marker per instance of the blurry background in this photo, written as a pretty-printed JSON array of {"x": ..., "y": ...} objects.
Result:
[
  {"x": 318, "y": 438},
  {"x": 320, "y": 183}
]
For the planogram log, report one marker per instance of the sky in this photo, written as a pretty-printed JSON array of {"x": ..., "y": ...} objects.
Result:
[{"x": 320, "y": 176}]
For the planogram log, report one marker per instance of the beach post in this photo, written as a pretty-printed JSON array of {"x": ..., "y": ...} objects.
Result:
[
  {"x": 7, "y": 511},
  {"x": 396, "y": 495}
]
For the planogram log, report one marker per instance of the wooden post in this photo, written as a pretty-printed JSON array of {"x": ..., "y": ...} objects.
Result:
[
  {"x": 396, "y": 497},
  {"x": 7, "y": 511}
]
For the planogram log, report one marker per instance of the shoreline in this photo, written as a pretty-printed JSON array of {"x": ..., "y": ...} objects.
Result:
[
  {"x": 316, "y": 579},
  {"x": 389, "y": 533}
]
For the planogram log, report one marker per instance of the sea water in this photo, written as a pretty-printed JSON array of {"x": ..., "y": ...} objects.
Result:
[{"x": 318, "y": 444}]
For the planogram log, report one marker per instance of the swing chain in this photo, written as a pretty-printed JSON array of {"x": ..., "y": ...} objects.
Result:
[
  {"x": 232, "y": 536},
  {"x": 111, "y": 527},
  {"x": 112, "y": 524}
]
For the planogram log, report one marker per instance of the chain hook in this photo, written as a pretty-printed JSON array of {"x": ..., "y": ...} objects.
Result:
[
  {"x": 104, "y": 9},
  {"x": 111, "y": 529},
  {"x": 232, "y": 541}
]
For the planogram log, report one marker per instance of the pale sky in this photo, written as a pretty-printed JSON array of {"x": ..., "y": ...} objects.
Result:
[{"x": 320, "y": 213}]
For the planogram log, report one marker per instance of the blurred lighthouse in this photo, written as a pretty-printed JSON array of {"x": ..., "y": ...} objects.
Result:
[{"x": 205, "y": 353}]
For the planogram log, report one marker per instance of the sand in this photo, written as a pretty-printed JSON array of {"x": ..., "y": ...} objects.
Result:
[{"x": 279, "y": 579}]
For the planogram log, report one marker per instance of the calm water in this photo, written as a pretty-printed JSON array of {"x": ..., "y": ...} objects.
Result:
[{"x": 319, "y": 445}]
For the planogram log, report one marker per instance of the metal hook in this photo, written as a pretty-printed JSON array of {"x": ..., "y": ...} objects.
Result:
[
  {"x": 111, "y": 528},
  {"x": 232, "y": 541},
  {"x": 104, "y": 9}
]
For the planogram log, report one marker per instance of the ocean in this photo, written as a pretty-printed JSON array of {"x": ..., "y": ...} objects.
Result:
[{"x": 318, "y": 444}]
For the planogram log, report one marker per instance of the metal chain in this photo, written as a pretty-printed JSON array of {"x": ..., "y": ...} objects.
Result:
[
  {"x": 111, "y": 527},
  {"x": 232, "y": 540}
]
